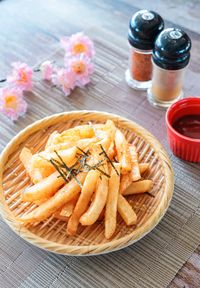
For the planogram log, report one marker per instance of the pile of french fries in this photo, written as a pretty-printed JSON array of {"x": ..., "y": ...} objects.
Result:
[{"x": 83, "y": 176}]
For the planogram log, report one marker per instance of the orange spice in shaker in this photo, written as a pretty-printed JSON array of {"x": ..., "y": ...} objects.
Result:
[
  {"x": 143, "y": 28},
  {"x": 140, "y": 65}
]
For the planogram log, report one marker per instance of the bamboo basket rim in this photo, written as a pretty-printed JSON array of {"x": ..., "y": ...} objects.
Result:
[{"x": 96, "y": 249}]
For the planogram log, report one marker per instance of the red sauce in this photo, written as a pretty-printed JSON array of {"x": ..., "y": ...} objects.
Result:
[{"x": 188, "y": 126}]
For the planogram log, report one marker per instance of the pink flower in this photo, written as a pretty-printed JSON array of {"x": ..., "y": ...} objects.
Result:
[
  {"x": 21, "y": 76},
  {"x": 81, "y": 67},
  {"x": 78, "y": 44},
  {"x": 47, "y": 70},
  {"x": 12, "y": 103},
  {"x": 65, "y": 79}
]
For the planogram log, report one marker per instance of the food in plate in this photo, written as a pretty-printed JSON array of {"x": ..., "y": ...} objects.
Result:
[{"x": 84, "y": 175}]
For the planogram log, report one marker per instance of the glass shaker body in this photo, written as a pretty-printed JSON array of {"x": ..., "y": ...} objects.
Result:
[
  {"x": 170, "y": 56},
  {"x": 139, "y": 74},
  {"x": 166, "y": 86}
]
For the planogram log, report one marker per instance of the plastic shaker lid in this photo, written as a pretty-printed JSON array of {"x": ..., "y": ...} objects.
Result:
[
  {"x": 144, "y": 27},
  {"x": 172, "y": 49}
]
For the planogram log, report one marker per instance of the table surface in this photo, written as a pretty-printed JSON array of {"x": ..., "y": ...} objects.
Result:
[{"x": 37, "y": 26}]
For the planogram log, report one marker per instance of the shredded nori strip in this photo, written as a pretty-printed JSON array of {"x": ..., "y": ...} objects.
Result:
[
  {"x": 97, "y": 168},
  {"x": 59, "y": 171},
  {"x": 85, "y": 153},
  {"x": 115, "y": 160},
  {"x": 151, "y": 195},
  {"x": 68, "y": 169},
  {"x": 104, "y": 152}
]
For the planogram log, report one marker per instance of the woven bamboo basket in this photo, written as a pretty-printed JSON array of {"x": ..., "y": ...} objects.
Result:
[{"x": 90, "y": 240}]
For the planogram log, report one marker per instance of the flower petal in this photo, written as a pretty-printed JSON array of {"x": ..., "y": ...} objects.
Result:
[
  {"x": 78, "y": 44},
  {"x": 21, "y": 76},
  {"x": 12, "y": 103}
]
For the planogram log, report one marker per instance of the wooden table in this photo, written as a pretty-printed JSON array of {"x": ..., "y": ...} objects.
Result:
[{"x": 30, "y": 31}]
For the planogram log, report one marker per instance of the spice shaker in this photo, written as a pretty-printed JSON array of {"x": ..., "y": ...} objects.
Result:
[
  {"x": 170, "y": 58},
  {"x": 143, "y": 28}
]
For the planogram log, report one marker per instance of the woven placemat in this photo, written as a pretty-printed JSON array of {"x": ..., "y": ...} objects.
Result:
[{"x": 152, "y": 262}]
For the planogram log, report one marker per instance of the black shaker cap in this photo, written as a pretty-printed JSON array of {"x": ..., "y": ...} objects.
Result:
[
  {"x": 144, "y": 27},
  {"x": 172, "y": 49}
]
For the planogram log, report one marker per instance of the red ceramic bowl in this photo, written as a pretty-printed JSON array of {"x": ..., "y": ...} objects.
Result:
[{"x": 184, "y": 147}]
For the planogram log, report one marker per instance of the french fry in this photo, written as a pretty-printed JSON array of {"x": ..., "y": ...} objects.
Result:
[
  {"x": 82, "y": 143},
  {"x": 112, "y": 199},
  {"x": 66, "y": 211},
  {"x": 68, "y": 208},
  {"x": 110, "y": 130},
  {"x": 44, "y": 189},
  {"x": 83, "y": 201},
  {"x": 60, "y": 146},
  {"x": 143, "y": 167},
  {"x": 83, "y": 131},
  {"x": 44, "y": 172},
  {"x": 111, "y": 151},
  {"x": 86, "y": 131},
  {"x": 98, "y": 130},
  {"x": 38, "y": 167},
  {"x": 66, "y": 139},
  {"x": 126, "y": 179},
  {"x": 125, "y": 182},
  {"x": 25, "y": 157},
  {"x": 65, "y": 194},
  {"x": 123, "y": 153},
  {"x": 135, "y": 170},
  {"x": 126, "y": 211},
  {"x": 138, "y": 187},
  {"x": 102, "y": 215},
  {"x": 79, "y": 133},
  {"x": 73, "y": 135},
  {"x": 97, "y": 205},
  {"x": 42, "y": 159},
  {"x": 58, "y": 216},
  {"x": 109, "y": 126},
  {"x": 51, "y": 139},
  {"x": 39, "y": 202}
]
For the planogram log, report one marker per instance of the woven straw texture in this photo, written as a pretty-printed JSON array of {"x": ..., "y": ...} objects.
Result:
[{"x": 51, "y": 234}]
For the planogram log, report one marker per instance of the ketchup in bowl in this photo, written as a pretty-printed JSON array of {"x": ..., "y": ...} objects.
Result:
[
  {"x": 188, "y": 126},
  {"x": 183, "y": 128}
]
